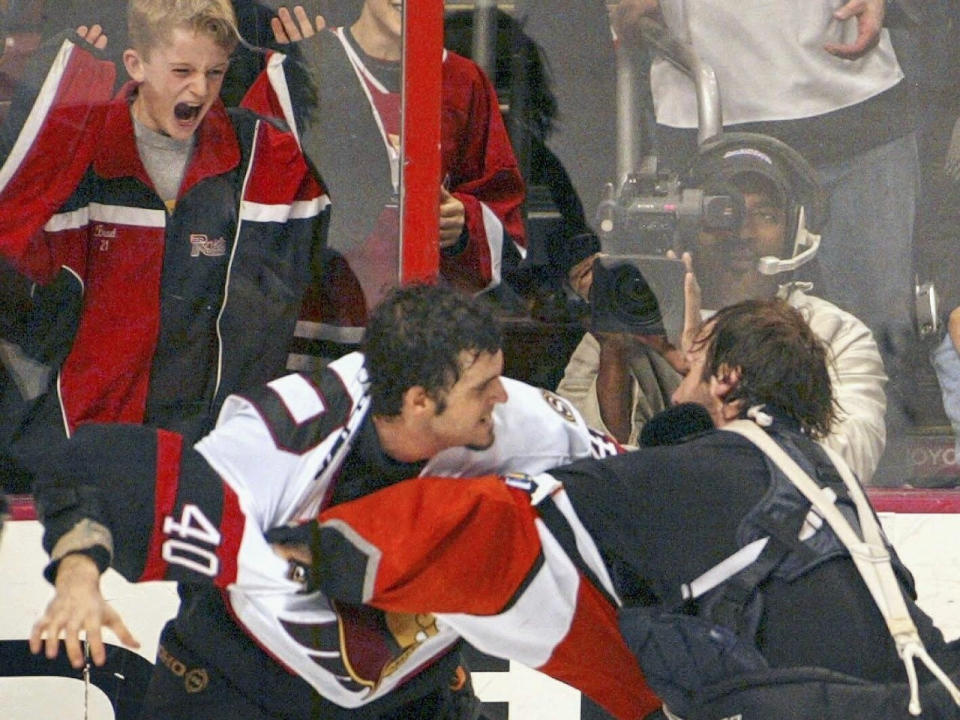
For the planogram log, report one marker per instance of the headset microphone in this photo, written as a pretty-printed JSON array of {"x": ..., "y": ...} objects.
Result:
[{"x": 772, "y": 265}]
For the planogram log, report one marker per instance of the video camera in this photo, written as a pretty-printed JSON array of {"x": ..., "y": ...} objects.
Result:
[
  {"x": 653, "y": 212},
  {"x": 636, "y": 287}
]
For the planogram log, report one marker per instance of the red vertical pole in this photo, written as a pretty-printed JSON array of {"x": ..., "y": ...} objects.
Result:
[{"x": 420, "y": 133}]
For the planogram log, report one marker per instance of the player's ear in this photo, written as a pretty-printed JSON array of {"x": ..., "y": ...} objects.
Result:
[
  {"x": 134, "y": 65},
  {"x": 416, "y": 401},
  {"x": 722, "y": 384}
]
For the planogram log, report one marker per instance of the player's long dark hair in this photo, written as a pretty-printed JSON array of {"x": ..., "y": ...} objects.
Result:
[
  {"x": 415, "y": 337},
  {"x": 781, "y": 362}
]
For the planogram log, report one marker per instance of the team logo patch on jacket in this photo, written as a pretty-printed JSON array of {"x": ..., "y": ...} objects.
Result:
[{"x": 200, "y": 244}]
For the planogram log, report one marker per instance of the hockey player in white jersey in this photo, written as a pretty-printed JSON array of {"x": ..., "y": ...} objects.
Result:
[{"x": 425, "y": 397}]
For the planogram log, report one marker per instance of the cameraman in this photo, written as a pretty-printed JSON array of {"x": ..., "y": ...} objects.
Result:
[{"x": 619, "y": 380}]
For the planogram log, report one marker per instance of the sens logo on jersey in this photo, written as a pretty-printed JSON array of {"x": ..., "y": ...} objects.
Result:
[{"x": 561, "y": 406}]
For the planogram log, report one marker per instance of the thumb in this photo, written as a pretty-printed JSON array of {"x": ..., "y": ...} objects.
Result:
[
  {"x": 119, "y": 628},
  {"x": 848, "y": 9}
]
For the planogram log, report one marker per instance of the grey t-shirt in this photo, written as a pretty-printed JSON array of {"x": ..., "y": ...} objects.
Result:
[{"x": 165, "y": 160}]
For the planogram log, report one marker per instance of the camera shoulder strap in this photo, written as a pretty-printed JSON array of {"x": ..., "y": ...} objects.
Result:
[{"x": 870, "y": 554}]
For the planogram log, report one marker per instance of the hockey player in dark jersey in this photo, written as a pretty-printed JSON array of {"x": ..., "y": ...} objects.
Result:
[{"x": 425, "y": 397}]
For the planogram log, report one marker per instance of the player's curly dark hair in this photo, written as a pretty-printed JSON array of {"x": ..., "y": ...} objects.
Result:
[
  {"x": 415, "y": 337},
  {"x": 782, "y": 363}
]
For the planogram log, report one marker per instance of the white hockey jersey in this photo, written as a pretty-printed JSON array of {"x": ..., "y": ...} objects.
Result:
[{"x": 281, "y": 452}]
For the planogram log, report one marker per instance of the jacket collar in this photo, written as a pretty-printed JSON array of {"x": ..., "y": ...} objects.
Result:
[{"x": 216, "y": 150}]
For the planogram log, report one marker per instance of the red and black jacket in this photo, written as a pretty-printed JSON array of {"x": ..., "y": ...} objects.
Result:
[{"x": 154, "y": 316}]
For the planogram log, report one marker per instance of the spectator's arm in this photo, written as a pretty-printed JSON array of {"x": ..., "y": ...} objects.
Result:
[
  {"x": 583, "y": 387},
  {"x": 614, "y": 385},
  {"x": 482, "y": 176},
  {"x": 47, "y": 141},
  {"x": 858, "y": 379}
]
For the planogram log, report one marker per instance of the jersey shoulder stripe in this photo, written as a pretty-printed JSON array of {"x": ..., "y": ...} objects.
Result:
[{"x": 299, "y": 411}]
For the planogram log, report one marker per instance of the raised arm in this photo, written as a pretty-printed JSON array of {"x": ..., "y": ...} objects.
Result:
[
  {"x": 48, "y": 140},
  {"x": 481, "y": 227}
]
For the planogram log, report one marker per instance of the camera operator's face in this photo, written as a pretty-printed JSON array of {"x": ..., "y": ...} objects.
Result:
[{"x": 726, "y": 261}]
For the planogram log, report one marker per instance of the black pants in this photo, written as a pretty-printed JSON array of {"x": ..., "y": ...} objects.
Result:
[{"x": 184, "y": 686}]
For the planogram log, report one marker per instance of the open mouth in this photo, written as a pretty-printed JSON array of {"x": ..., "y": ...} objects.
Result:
[{"x": 186, "y": 112}]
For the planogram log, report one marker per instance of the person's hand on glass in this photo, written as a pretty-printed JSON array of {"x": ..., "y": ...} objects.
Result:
[
  {"x": 580, "y": 276},
  {"x": 292, "y": 27},
  {"x": 692, "y": 302},
  {"x": 94, "y": 35}
]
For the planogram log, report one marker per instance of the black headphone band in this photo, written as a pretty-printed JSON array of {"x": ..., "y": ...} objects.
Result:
[{"x": 804, "y": 184}]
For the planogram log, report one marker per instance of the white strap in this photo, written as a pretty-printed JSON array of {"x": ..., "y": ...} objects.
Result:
[
  {"x": 870, "y": 555},
  {"x": 723, "y": 570}
]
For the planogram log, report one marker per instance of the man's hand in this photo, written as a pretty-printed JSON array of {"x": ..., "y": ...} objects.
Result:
[
  {"x": 289, "y": 28},
  {"x": 691, "y": 305},
  {"x": 869, "y": 14},
  {"x": 93, "y": 35},
  {"x": 625, "y": 18},
  {"x": 452, "y": 218},
  {"x": 78, "y": 607},
  {"x": 580, "y": 276}
]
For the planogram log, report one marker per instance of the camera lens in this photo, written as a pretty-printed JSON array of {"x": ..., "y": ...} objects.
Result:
[{"x": 633, "y": 298}]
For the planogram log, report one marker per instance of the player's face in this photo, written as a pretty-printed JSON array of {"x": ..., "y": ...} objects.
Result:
[
  {"x": 388, "y": 16},
  {"x": 727, "y": 260},
  {"x": 467, "y": 418},
  {"x": 693, "y": 387},
  {"x": 179, "y": 81}
]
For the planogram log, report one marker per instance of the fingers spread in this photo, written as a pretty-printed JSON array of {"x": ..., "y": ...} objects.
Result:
[
  {"x": 306, "y": 27},
  {"x": 279, "y": 33}
]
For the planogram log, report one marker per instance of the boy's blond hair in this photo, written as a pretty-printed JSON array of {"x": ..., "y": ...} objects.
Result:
[{"x": 150, "y": 22}]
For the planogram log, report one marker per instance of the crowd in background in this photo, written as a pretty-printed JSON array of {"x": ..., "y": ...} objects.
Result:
[{"x": 883, "y": 107}]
